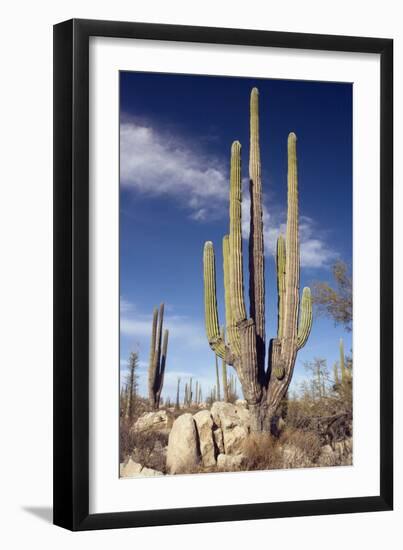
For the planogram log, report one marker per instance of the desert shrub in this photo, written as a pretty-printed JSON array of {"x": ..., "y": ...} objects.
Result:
[
  {"x": 149, "y": 449},
  {"x": 308, "y": 442},
  {"x": 261, "y": 452}
]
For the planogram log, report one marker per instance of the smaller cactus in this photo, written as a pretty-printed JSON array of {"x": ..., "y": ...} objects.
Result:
[
  {"x": 217, "y": 379},
  {"x": 156, "y": 369},
  {"x": 336, "y": 375},
  {"x": 177, "y": 404}
]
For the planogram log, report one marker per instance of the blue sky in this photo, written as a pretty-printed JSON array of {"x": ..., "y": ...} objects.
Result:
[{"x": 175, "y": 137}]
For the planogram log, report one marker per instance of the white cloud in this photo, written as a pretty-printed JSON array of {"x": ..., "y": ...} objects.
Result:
[
  {"x": 314, "y": 252},
  {"x": 125, "y": 305},
  {"x": 180, "y": 328},
  {"x": 158, "y": 164}
]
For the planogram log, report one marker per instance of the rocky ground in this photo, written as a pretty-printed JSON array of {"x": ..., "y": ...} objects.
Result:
[{"x": 219, "y": 439}]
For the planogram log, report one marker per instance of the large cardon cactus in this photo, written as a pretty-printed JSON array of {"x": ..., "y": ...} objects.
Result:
[{"x": 245, "y": 347}]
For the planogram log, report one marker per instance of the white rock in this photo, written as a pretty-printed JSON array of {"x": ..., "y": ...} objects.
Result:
[
  {"x": 204, "y": 425},
  {"x": 229, "y": 463},
  {"x": 149, "y": 472},
  {"x": 183, "y": 452},
  {"x": 155, "y": 421},
  {"x": 235, "y": 425},
  {"x": 130, "y": 469},
  {"x": 241, "y": 403},
  {"x": 218, "y": 439}
]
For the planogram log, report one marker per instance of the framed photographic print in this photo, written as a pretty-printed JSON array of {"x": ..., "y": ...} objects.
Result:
[{"x": 223, "y": 321}]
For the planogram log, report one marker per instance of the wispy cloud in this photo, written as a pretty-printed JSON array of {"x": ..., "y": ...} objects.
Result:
[
  {"x": 314, "y": 252},
  {"x": 181, "y": 328},
  {"x": 157, "y": 164}
]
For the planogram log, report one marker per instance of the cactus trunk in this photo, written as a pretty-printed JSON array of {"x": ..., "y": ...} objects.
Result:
[
  {"x": 263, "y": 387},
  {"x": 158, "y": 356}
]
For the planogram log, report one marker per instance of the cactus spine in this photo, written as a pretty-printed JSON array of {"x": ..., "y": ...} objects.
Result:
[
  {"x": 263, "y": 387},
  {"x": 158, "y": 356}
]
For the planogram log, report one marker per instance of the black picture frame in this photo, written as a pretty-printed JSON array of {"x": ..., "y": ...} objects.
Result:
[{"x": 71, "y": 274}]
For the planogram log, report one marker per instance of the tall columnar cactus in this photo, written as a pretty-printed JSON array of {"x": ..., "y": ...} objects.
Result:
[
  {"x": 158, "y": 357},
  {"x": 263, "y": 386}
]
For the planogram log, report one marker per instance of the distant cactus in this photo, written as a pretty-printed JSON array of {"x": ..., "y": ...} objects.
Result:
[
  {"x": 177, "y": 404},
  {"x": 158, "y": 357},
  {"x": 336, "y": 379},
  {"x": 218, "y": 396},
  {"x": 342, "y": 364},
  {"x": 245, "y": 349}
]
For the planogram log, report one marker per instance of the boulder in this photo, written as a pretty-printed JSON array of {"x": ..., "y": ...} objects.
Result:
[
  {"x": 218, "y": 439},
  {"x": 151, "y": 421},
  {"x": 241, "y": 403},
  {"x": 149, "y": 472},
  {"x": 183, "y": 451},
  {"x": 229, "y": 463},
  {"x": 235, "y": 425},
  {"x": 204, "y": 425},
  {"x": 135, "y": 469},
  {"x": 130, "y": 469}
]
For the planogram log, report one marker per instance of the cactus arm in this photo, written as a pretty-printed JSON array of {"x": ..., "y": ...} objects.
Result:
[
  {"x": 305, "y": 319},
  {"x": 161, "y": 373},
  {"x": 157, "y": 354},
  {"x": 280, "y": 264},
  {"x": 256, "y": 242},
  {"x": 152, "y": 365},
  {"x": 210, "y": 301},
  {"x": 292, "y": 249},
  {"x": 232, "y": 332},
  {"x": 235, "y": 237}
]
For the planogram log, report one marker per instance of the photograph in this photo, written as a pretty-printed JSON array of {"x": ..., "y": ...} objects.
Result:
[{"x": 235, "y": 273}]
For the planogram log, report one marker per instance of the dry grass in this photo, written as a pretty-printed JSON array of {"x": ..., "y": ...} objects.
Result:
[
  {"x": 262, "y": 452},
  {"x": 147, "y": 448},
  {"x": 307, "y": 442}
]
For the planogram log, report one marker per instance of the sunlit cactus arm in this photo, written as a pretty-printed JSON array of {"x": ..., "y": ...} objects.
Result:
[
  {"x": 232, "y": 332},
  {"x": 280, "y": 264},
  {"x": 235, "y": 237},
  {"x": 292, "y": 248},
  {"x": 256, "y": 241},
  {"x": 210, "y": 301},
  {"x": 305, "y": 318},
  {"x": 247, "y": 367}
]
